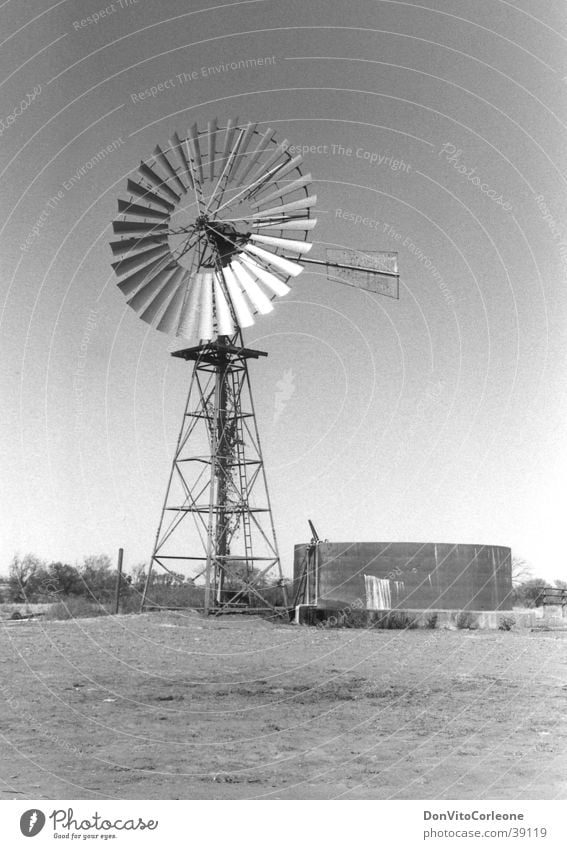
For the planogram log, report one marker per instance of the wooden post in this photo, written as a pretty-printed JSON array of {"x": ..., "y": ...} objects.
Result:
[{"x": 118, "y": 580}]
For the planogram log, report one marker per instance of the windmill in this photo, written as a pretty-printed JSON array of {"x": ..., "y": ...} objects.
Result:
[{"x": 214, "y": 227}]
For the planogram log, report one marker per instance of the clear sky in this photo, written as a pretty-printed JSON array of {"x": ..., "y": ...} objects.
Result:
[{"x": 439, "y": 417}]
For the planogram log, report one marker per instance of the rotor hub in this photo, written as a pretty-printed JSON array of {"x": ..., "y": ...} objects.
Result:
[{"x": 226, "y": 240}]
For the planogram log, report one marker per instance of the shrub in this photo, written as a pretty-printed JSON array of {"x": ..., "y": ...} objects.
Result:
[
  {"x": 62, "y": 579},
  {"x": 399, "y": 620},
  {"x": 98, "y": 579},
  {"x": 432, "y": 620},
  {"x": 25, "y": 577},
  {"x": 466, "y": 620},
  {"x": 529, "y": 593},
  {"x": 506, "y": 623},
  {"x": 130, "y": 602},
  {"x": 356, "y": 619}
]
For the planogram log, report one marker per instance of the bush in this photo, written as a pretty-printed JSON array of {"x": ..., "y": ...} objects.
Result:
[
  {"x": 98, "y": 578},
  {"x": 356, "y": 619},
  {"x": 529, "y": 593},
  {"x": 432, "y": 620},
  {"x": 397, "y": 620},
  {"x": 62, "y": 580},
  {"x": 467, "y": 620},
  {"x": 506, "y": 623},
  {"x": 26, "y": 575},
  {"x": 130, "y": 602}
]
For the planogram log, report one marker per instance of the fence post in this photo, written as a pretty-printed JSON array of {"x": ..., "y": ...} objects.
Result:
[{"x": 118, "y": 580}]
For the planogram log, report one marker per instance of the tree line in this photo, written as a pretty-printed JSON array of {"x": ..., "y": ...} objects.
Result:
[{"x": 32, "y": 580}]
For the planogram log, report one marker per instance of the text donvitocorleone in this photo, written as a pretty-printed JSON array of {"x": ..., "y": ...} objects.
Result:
[{"x": 471, "y": 815}]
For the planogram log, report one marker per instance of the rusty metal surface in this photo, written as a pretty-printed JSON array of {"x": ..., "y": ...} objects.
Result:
[{"x": 419, "y": 575}]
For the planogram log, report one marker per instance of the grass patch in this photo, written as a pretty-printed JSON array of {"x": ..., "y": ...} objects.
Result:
[{"x": 75, "y": 608}]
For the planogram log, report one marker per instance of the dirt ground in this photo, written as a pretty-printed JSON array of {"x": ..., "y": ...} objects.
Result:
[{"x": 169, "y": 706}]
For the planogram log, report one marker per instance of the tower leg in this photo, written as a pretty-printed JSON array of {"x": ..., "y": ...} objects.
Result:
[{"x": 159, "y": 532}]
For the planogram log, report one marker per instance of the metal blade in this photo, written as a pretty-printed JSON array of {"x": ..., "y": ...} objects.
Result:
[
  {"x": 220, "y": 188},
  {"x": 277, "y": 286},
  {"x": 243, "y": 313},
  {"x": 126, "y": 208},
  {"x": 212, "y": 130},
  {"x": 196, "y": 151},
  {"x": 152, "y": 311},
  {"x": 262, "y": 180},
  {"x": 225, "y": 324},
  {"x": 140, "y": 300},
  {"x": 294, "y": 205},
  {"x": 126, "y": 246},
  {"x": 291, "y": 165},
  {"x": 157, "y": 181},
  {"x": 177, "y": 145},
  {"x": 129, "y": 285},
  {"x": 248, "y": 190},
  {"x": 154, "y": 308},
  {"x": 279, "y": 151},
  {"x": 169, "y": 322},
  {"x": 141, "y": 192},
  {"x": 231, "y": 129},
  {"x": 287, "y": 224},
  {"x": 125, "y": 265},
  {"x": 285, "y": 190},
  {"x": 286, "y": 265},
  {"x": 142, "y": 227},
  {"x": 262, "y": 145},
  {"x": 167, "y": 166},
  {"x": 259, "y": 300},
  {"x": 246, "y": 139},
  {"x": 292, "y": 245},
  {"x": 189, "y": 318}
]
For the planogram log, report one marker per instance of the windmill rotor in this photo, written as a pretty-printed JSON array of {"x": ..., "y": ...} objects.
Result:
[{"x": 214, "y": 226}]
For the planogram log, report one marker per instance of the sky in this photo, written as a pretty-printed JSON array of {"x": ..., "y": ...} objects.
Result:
[{"x": 435, "y": 130}]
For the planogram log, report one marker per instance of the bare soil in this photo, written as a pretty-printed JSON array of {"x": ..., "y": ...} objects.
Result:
[{"x": 170, "y": 706}]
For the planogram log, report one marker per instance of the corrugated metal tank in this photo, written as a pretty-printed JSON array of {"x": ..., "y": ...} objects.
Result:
[{"x": 404, "y": 575}]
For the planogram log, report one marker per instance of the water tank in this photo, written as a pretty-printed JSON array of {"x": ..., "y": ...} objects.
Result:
[{"x": 403, "y": 575}]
